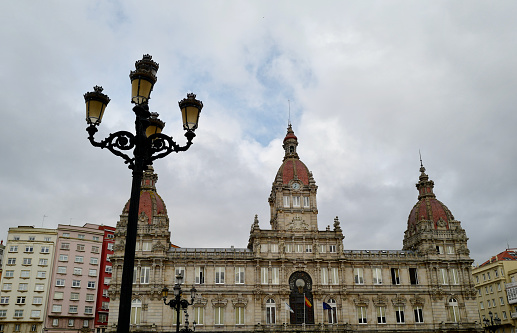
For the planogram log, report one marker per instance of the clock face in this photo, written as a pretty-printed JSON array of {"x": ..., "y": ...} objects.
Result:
[{"x": 295, "y": 186}]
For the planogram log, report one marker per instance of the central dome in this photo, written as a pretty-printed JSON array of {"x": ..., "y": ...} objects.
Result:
[{"x": 292, "y": 168}]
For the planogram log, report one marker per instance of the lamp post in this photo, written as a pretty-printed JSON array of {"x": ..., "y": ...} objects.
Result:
[
  {"x": 493, "y": 324},
  {"x": 148, "y": 144},
  {"x": 177, "y": 303}
]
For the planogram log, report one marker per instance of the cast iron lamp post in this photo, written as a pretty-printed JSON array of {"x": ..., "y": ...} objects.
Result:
[
  {"x": 177, "y": 303},
  {"x": 493, "y": 324},
  {"x": 148, "y": 144}
]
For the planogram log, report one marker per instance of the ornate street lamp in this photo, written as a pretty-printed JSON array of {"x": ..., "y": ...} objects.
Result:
[
  {"x": 493, "y": 324},
  {"x": 177, "y": 303},
  {"x": 148, "y": 144}
]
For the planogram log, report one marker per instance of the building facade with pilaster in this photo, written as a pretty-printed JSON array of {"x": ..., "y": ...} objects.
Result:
[{"x": 294, "y": 276}]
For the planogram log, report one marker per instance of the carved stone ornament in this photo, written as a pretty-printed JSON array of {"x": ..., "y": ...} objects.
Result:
[
  {"x": 441, "y": 223},
  {"x": 360, "y": 300},
  {"x": 380, "y": 300},
  {"x": 417, "y": 300},
  {"x": 437, "y": 293},
  {"x": 159, "y": 247},
  {"x": 143, "y": 218},
  {"x": 399, "y": 301},
  {"x": 239, "y": 301},
  {"x": 297, "y": 224}
]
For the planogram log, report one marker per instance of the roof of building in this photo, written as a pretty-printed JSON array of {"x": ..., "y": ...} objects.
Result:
[
  {"x": 292, "y": 168},
  {"x": 508, "y": 255}
]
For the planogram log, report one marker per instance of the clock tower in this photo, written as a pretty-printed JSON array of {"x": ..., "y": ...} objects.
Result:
[{"x": 293, "y": 195}]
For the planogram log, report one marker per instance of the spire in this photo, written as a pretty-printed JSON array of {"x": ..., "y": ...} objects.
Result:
[
  {"x": 149, "y": 179},
  {"x": 290, "y": 143},
  {"x": 424, "y": 186}
]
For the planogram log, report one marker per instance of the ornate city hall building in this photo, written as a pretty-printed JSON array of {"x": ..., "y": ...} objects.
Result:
[{"x": 296, "y": 277}]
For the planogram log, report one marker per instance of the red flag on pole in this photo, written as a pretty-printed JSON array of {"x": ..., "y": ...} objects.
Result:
[{"x": 307, "y": 302}]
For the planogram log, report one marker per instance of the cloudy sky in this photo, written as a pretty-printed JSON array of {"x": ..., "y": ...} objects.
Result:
[{"x": 370, "y": 83}]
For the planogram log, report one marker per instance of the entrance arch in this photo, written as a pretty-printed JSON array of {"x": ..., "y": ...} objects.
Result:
[{"x": 300, "y": 284}]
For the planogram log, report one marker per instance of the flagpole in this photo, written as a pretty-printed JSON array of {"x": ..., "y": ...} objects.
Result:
[{"x": 304, "y": 308}]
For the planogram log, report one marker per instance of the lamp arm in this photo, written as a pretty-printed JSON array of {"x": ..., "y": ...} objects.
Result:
[
  {"x": 162, "y": 145},
  {"x": 115, "y": 142}
]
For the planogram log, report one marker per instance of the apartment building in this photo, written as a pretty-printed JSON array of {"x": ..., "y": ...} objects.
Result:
[
  {"x": 73, "y": 291},
  {"x": 495, "y": 281},
  {"x": 105, "y": 270},
  {"x": 25, "y": 282}
]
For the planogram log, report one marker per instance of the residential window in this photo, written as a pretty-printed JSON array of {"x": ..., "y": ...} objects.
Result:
[
  {"x": 70, "y": 322},
  {"x": 219, "y": 275},
  {"x": 79, "y": 259},
  {"x": 103, "y": 318},
  {"x": 58, "y": 294},
  {"x": 270, "y": 311},
  {"x": 95, "y": 238},
  {"x": 491, "y": 289},
  {"x": 498, "y": 287},
  {"x": 91, "y": 284},
  {"x": 56, "y": 308},
  {"x": 145, "y": 273},
  {"x": 413, "y": 276},
  {"x": 18, "y": 314},
  {"x": 199, "y": 315},
  {"x": 274, "y": 248},
  {"x": 136, "y": 311},
  {"x": 286, "y": 201},
  {"x": 86, "y": 322},
  {"x": 381, "y": 315},
  {"x": 43, "y": 262},
  {"x": 94, "y": 261},
  {"x": 80, "y": 247},
  {"x": 481, "y": 305},
  {"x": 358, "y": 275},
  {"x": 444, "y": 280},
  {"x": 63, "y": 257},
  {"x": 90, "y": 297},
  {"x": 95, "y": 249},
  {"x": 180, "y": 271},
  {"x": 239, "y": 316},
  {"x": 299, "y": 248},
  {"x": 110, "y": 246},
  {"x": 488, "y": 275},
  {"x": 25, "y": 274},
  {"x": 61, "y": 270},
  {"x": 88, "y": 309},
  {"x": 3, "y": 314},
  {"x": 288, "y": 248},
  {"x": 377, "y": 275},
  {"x": 13, "y": 248},
  {"x": 395, "y": 276},
  {"x": 37, "y": 300},
  {"x": 501, "y": 300},
  {"x": 72, "y": 309},
  {"x": 109, "y": 269},
  {"x": 264, "y": 278},
  {"x": 55, "y": 322},
  {"x": 80, "y": 236},
  {"x": 45, "y": 249},
  {"x": 27, "y": 261},
  {"x": 105, "y": 293},
  {"x": 23, "y": 287},
  {"x": 17, "y": 327},
  {"x": 454, "y": 313},
  {"x": 7, "y": 286},
  {"x": 46, "y": 239},
  {"x": 239, "y": 275},
  {"x": 32, "y": 238},
  {"x": 11, "y": 261},
  {"x": 275, "y": 275},
  {"x": 107, "y": 280},
  {"x": 4, "y": 300},
  {"x": 361, "y": 315},
  {"x": 35, "y": 314},
  {"x": 20, "y": 300},
  {"x": 504, "y": 315},
  {"x": 219, "y": 316},
  {"x": 308, "y": 248},
  {"x": 29, "y": 248},
  {"x": 92, "y": 272},
  {"x": 399, "y": 314},
  {"x": 76, "y": 283},
  {"x": 78, "y": 271},
  {"x": 323, "y": 248},
  {"x": 105, "y": 305},
  {"x": 419, "y": 314},
  {"x": 39, "y": 287},
  {"x": 324, "y": 276},
  {"x": 65, "y": 246},
  {"x": 496, "y": 273},
  {"x": 200, "y": 275}
]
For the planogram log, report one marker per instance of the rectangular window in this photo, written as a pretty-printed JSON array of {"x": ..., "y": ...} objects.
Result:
[
  {"x": 11, "y": 261},
  {"x": 45, "y": 249},
  {"x": 264, "y": 278},
  {"x": 288, "y": 248},
  {"x": 308, "y": 248},
  {"x": 63, "y": 257},
  {"x": 79, "y": 259},
  {"x": 323, "y": 248},
  {"x": 110, "y": 246},
  {"x": 61, "y": 270},
  {"x": 239, "y": 275},
  {"x": 27, "y": 261},
  {"x": 41, "y": 274},
  {"x": 3, "y": 313},
  {"x": 413, "y": 276},
  {"x": 439, "y": 249},
  {"x": 95, "y": 249},
  {"x": 200, "y": 275},
  {"x": 419, "y": 314},
  {"x": 219, "y": 275},
  {"x": 358, "y": 275},
  {"x": 105, "y": 305},
  {"x": 286, "y": 201},
  {"x": 332, "y": 248},
  {"x": 455, "y": 278},
  {"x": 306, "y": 202},
  {"x": 443, "y": 278},
  {"x": 334, "y": 275},
  {"x": 491, "y": 289},
  {"x": 299, "y": 248},
  {"x": 80, "y": 236},
  {"x": 488, "y": 275},
  {"x": 103, "y": 318},
  {"x": 361, "y": 315},
  {"x": 399, "y": 314},
  {"x": 91, "y": 284},
  {"x": 274, "y": 248},
  {"x": 72, "y": 309},
  {"x": 239, "y": 316},
  {"x": 18, "y": 314},
  {"x": 70, "y": 322},
  {"x": 78, "y": 271},
  {"x": 7, "y": 286},
  {"x": 55, "y": 322},
  {"x": 23, "y": 286},
  {"x": 65, "y": 246},
  {"x": 108, "y": 269},
  {"x": 94, "y": 261},
  {"x": 88, "y": 309},
  {"x": 39, "y": 287},
  {"x": 80, "y": 247},
  {"x": 4, "y": 300},
  {"x": 107, "y": 281},
  {"x": 56, "y": 308},
  {"x": 105, "y": 293},
  {"x": 20, "y": 300},
  {"x": 180, "y": 271},
  {"x": 35, "y": 314},
  {"x": 501, "y": 300},
  {"x": 92, "y": 272},
  {"x": 74, "y": 296},
  {"x": 9, "y": 274},
  {"x": 199, "y": 315},
  {"x": 13, "y": 248},
  {"x": 25, "y": 274},
  {"x": 219, "y": 316},
  {"x": 450, "y": 249},
  {"x": 395, "y": 276},
  {"x": 381, "y": 315},
  {"x": 58, "y": 294},
  {"x": 76, "y": 283},
  {"x": 29, "y": 248},
  {"x": 481, "y": 305},
  {"x": 377, "y": 275},
  {"x": 296, "y": 201},
  {"x": 275, "y": 275},
  {"x": 324, "y": 276},
  {"x": 145, "y": 274}
]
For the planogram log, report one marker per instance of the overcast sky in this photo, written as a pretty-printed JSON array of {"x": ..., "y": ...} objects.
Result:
[{"x": 370, "y": 83}]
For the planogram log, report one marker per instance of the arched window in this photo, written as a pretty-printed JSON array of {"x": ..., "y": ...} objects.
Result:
[
  {"x": 136, "y": 311},
  {"x": 270, "y": 311},
  {"x": 332, "y": 315},
  {"x": 454, "y": 312}
]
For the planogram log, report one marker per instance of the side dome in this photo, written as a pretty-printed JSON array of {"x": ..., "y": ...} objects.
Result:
[
  {"x": 428, "y": 207},
  {"x": 151, "y": 204},
  {"x": 292, "y": 168}
]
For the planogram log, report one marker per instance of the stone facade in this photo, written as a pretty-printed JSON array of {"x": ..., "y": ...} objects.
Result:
[{"x": 296, "y": 277}]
